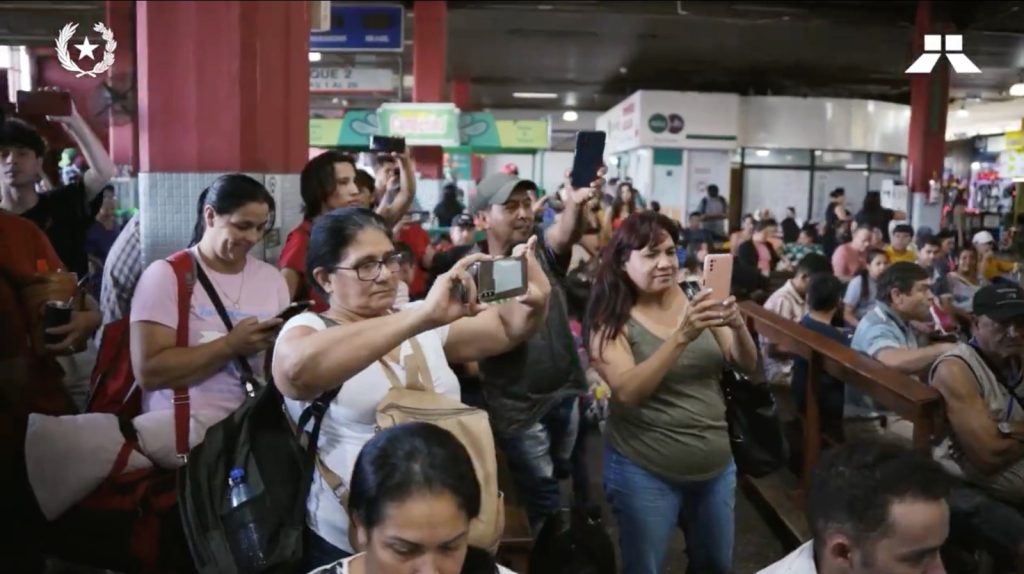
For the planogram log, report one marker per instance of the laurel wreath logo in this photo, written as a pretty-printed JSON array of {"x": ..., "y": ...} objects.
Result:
[{"x": 68, "y": 32}]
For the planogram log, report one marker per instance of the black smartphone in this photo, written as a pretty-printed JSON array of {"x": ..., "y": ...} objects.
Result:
[
  {"x": 39, "y": 104},
  {"x": 588, "y": 159},
  {"x": 294, "y": 309},
  {"x": 496, "y": 280},
  {"x": 387, "y": 144}
]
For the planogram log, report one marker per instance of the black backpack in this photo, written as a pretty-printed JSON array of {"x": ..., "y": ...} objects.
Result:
[{"x": 259, "y": 438}]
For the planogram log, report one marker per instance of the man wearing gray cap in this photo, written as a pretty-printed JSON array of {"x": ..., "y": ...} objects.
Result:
[{"x": 531, "y": 392}]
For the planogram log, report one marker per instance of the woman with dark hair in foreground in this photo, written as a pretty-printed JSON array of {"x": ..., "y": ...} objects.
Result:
[{"x": 413, "y": 494}]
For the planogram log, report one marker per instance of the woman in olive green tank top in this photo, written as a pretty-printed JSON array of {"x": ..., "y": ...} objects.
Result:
[{"x": 667, "y": 458}]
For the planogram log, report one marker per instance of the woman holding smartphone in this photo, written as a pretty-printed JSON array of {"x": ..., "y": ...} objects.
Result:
[
  {"x": 233, "y": 213},
  {"x": 667, "y": 458},
  {"x": 353, "y": 345}
]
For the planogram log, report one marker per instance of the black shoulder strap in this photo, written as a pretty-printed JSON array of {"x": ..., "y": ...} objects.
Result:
[
  {"x": 318, "y": 408},
  {"x": 248, "y": 379}
]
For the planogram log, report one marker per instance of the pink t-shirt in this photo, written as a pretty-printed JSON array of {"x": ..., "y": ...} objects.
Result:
[
  {"x": 847, "y": 261},
  {"x": 264, "y": 294},
  {"x": 764, "y": 258}
]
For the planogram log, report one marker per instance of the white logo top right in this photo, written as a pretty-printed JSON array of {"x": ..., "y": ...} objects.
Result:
[{"x": 935, "y": 45}]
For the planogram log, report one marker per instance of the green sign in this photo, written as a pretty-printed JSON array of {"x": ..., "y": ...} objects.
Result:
[
  {"x": 658, "y": 123},
  {"x": 421, "y": 124},
  {"x": 482, "y": 133},
  {"x": 353, "y": 130}
]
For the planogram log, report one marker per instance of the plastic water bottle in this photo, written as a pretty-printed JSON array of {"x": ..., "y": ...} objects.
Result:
[{"x": 245, "y": 537}]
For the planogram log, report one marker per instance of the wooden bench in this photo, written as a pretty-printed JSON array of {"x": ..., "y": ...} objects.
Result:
[{"x": 911, "y": 399}]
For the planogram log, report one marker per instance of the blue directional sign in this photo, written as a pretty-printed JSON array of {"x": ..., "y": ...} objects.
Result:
[{"x": 369, "y": 27}]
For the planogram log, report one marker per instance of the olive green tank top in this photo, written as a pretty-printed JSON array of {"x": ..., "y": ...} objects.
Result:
[{"x": 680, "y": 431}]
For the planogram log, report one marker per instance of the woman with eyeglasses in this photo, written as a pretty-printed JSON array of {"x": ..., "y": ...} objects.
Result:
[{"x": 352, "y": 346}]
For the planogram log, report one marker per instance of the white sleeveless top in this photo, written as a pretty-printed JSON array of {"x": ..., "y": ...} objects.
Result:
[{"x": 1002, "y": 407}]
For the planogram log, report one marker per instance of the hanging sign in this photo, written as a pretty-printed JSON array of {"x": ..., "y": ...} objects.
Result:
[
  {"x": 347, "y": 80},
  {"x": 369, "y": 27},
  {"x": 421, "y": 124}
]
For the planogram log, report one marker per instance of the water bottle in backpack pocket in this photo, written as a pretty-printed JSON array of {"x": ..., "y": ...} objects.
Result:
[{"x": 242, "y": 524}]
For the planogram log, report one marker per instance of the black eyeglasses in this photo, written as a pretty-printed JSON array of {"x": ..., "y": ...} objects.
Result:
[{"x": 370, "y": 270}]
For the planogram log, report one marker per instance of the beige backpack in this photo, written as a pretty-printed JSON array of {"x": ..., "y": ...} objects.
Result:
[{"x": 417, "y": 401}]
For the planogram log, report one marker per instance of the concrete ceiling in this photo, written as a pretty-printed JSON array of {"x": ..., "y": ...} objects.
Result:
[{"x": 595, "y": 53}]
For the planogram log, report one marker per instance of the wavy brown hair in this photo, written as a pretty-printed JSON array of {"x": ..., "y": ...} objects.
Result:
[{"x": 613, "y": 293}]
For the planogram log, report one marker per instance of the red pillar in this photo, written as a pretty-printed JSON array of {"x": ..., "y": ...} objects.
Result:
[
  {"x": 223, "y": 87},
  {"x": 429, "y": 65},
  {"x": 123, "y": 135},
  {"x": 929, "y": 97}
]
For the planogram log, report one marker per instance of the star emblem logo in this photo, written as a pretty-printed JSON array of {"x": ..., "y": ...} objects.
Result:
[{"x": 85, "y": 49}]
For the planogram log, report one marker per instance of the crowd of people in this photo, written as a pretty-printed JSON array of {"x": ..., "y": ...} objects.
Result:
[{"x": 604, "y": 339}]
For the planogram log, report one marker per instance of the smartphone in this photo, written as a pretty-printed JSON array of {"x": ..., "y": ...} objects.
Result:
[
  {"x": 44, "y": 103},
  {"x": 294, "y": 309},
  {"x": 718, "y": 276},
  {"x": 387, "y": 144},
  {"x": 690, "y": 288},
  {"x": 497, "y": 280},
  {"x": 588, "y": 159}
]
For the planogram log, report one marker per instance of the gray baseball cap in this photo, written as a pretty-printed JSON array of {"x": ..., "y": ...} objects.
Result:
[{"x": 495, "y": 189}]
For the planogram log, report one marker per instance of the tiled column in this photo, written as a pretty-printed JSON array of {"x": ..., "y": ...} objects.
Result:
[{"x": 223, "y": 87}]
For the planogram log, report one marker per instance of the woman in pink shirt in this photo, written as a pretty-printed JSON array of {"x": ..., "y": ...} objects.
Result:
[{"x": 233, "y": 214}]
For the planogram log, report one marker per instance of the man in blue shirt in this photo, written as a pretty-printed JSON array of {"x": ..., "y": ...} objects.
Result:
[
  {"x": 885, "y": 334},
  {"x": 823, "y": 299}
]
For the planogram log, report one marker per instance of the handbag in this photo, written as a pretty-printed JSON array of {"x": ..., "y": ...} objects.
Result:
[{"x": 755, "y": 431}]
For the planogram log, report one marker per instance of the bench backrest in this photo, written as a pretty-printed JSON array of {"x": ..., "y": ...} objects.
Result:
[{"x": 911, "y": 399}]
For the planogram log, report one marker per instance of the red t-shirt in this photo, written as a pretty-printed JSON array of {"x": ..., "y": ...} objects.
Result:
[
  {"x": 293, "y": 256},
  {"x": 418, "y": 240},
  {"x": 23, "y": 247}
]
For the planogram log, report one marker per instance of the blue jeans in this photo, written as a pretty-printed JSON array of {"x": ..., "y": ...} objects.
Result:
[
  {"x": 538, "y": 458},
  {"x": 648, "y": 508}
]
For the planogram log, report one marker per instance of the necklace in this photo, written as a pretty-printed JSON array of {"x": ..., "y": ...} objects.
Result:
[{"x": 236, "y": 301}]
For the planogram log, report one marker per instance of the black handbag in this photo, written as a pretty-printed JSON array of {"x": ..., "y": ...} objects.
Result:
[{"x": 755, "y": 431}]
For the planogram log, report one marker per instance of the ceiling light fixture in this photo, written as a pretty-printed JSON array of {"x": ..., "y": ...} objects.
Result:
[
  {"x": 1017, "y": 90},
  {"x": 535, "y": 95},
  {"x": 315, "y": 56},
  {"x": 570, "y": 116},
  {"x": 762, "y": 153},
  {"x": 856, "y": 166}
]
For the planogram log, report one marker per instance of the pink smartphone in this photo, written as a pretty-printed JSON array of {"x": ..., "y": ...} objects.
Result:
[{"x": 718, "y": 276}]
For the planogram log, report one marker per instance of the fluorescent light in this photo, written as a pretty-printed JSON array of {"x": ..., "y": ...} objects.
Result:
[
  {"x": 856, "y": 166},
  {"x": 975, "y": 166},
  {"x": 817, "y": 152},
  {"x": 962, "y": 113},
  {"x": 570, "y": 116},
  {"x": 535, "y": 95},
  {"x": 315, "y": 56},
  {"x": 762, "y": 153},
  {"x": 1017, "y": 90}
]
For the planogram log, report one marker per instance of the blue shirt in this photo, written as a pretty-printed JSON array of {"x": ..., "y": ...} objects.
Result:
[
  {"x": 831, "y": 398},
  {"x": 880, "y": 329}
]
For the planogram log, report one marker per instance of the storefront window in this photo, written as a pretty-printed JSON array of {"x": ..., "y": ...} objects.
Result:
[
  {"x": 841, "y": 159},
  {"x": 776, "y": 157},
  {"x": 886, "y": 162}
]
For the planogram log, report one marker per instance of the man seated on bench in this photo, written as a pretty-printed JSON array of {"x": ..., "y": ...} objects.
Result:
[
  {"x": 789, "y": 303},
  {"x": 873, "y": 508},
  {"x": 982, "y": 389},
  {"x": 823, "y": 300},
  {"x": 885, "y": 333}
]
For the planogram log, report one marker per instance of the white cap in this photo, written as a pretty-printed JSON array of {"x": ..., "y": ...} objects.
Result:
[{"x": 983, "y": 237}]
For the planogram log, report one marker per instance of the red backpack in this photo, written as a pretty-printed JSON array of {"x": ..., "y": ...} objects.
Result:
[{"x": 130, "y": 522}]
